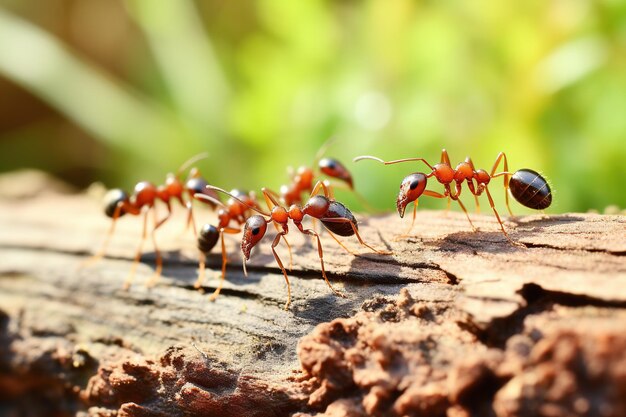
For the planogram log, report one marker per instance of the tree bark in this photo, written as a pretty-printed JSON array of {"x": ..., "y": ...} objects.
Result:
[{"x": 453, "y": 322}]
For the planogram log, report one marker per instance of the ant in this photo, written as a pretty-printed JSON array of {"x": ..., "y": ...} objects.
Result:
[
  {"x": 143, "y": 199},
  {"x": 527, "y": 187},
  {"x": 302, "y": 178},
  {"x": 335, "y": 217},
  {"x": 237, "y": 209}
]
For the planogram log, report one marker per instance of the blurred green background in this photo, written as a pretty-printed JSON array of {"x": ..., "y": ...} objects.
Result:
[{"x": 121, "y": 91}]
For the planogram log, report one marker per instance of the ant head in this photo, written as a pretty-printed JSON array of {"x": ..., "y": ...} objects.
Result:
[
  {"x": 335, "y": 169},
  {"x": 207, "y": 238},
  {"x": 253, "y": 232},
  {"x": 411, "y": 189},
  {"x": 317, "y": 206},
  {"x": 111, "y": 201}
]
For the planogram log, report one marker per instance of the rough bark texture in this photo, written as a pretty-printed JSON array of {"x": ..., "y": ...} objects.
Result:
[{"x": 453, "y": 323}]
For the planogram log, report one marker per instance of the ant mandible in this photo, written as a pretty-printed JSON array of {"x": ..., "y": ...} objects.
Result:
[
  {"x": 527, "y": 186},
  {"x": 143, "y": 199},
  {"x": 335, "y": 217},
  {"x": 237, "y": 209}
]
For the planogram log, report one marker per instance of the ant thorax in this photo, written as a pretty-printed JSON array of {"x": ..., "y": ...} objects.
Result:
[
  {"x": 295, "y": 213},
  {"x": 279, "y": 215}
]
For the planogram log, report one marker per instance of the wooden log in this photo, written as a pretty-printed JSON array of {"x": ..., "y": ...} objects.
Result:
[{"x": 453, "y": 322}]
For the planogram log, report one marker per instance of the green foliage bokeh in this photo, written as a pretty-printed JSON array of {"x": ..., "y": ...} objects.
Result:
[{"x": 261, "y": 85}]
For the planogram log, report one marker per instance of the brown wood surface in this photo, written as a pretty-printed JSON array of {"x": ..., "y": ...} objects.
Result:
[{"x": 453, "y": 322}]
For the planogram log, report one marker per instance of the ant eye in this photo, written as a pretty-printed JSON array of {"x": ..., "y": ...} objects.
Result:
[
  {"x": 256, "y": 231},
  {"x": 414, "y": 184}
]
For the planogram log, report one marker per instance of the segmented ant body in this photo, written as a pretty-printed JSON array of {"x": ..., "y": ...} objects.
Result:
[
  {"x": 336, "y": 217},
  {"x": 237, "y": 209},
  {"x": 527, "y": 187},
  {"x": 118, "y": 203}
]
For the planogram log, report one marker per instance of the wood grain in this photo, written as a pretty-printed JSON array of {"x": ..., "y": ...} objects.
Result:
[{"x": 72, "y": 333}]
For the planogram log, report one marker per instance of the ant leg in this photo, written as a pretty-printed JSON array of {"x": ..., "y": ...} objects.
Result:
[
  {"x": 201, "y": 271},
  {"x": 500, "y": 221},
  {"x": 290, "y": 255},
  {"x": 321, "y": 256},
  {"x": 190, "y": 219},
  {"x": 445, "y": 159},
  {"x": 471, "y": 185},
  {"x": 466, "y": 214},
  {"x": 331, "y": 189},
  {"x": 159, "y": 259},
  {"x": 100, "y": 254},
  {"x": 282, "y": 268},
  {"x": 324, "y": 186},
  {"x": 351, "y": 252},
  {"x": 355, "y": 230},
  {"x": 269, "y": 199},
  {"x": 502, "y": 157},
  {"x": 223, "y": 230},
  {"x": 438, "y": 195},
  {"x": 131, "y": 274},
  {"x": 288, "y": 247}
]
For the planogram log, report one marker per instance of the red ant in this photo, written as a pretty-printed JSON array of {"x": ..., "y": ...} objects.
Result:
[
  {"x": 335, "y": 217},
  {"x": 302, "y": 179},
  {"x": 527, "y": 187},
  {"x": 237, "y": 209},
  {"x": 118, "y": 203}
]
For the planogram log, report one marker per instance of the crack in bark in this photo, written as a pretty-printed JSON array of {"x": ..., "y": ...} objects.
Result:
[
  {"x": 537, "y": 300},
  {"x": 564, "y": 249}
]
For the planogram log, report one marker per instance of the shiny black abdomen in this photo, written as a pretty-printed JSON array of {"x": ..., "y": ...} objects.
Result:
[
  {"x": 207, "y": 238},
  {"x": 111, "y": 200},
  {"x": 198, "y": 186},
  {"x": 530, "y": 189},
  {"x": 335, "y": 210}
]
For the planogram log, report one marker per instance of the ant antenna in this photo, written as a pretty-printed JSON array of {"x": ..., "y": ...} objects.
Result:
[
  {"x": 362, "y": 157},
  {"x": 210, "y": 199},
  {"x": 374, "y": 158},
  {"x": 322, "y": 150},
  {"x": 190, "y": 162},
  {"x": 212, "y": 187}
]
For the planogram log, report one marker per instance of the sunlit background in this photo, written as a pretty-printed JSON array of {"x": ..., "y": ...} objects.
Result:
[{"x": 122, "y": 91}]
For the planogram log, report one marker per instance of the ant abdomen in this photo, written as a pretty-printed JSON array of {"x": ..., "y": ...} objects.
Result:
[
  {"x": 207, "y": 238},
  {"x": 338, "y": 210},
  {"x": 335, "y": 169},
  {"x": 198, "y": 185},
  {"x": 530, "y": 189},
  {"x": 112, "y": 199}
]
